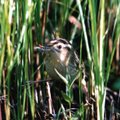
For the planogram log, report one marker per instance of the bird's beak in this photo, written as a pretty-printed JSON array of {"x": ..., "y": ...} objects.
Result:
[
  {"x": 42, "y": 48},
  {"x": 45, "y": 49}
]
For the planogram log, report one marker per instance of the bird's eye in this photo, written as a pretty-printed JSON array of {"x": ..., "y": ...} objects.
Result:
[{"x": 59, "y": 46}]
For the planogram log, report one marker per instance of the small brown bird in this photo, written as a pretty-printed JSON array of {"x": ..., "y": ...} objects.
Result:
[{"x": 61, "y": 61}]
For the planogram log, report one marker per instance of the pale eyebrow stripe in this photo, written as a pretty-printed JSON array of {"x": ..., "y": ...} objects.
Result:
[{"x": 54, "y": 41}]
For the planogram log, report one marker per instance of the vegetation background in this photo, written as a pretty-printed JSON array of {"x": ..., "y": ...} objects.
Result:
[{"x": 94, "y": 29}]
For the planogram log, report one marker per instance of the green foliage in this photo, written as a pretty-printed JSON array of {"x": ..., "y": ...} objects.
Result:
[{"x": 90, "y": 24}]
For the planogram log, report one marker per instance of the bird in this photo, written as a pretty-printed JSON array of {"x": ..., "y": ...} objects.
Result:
[{"x": 62, "y": 62}]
